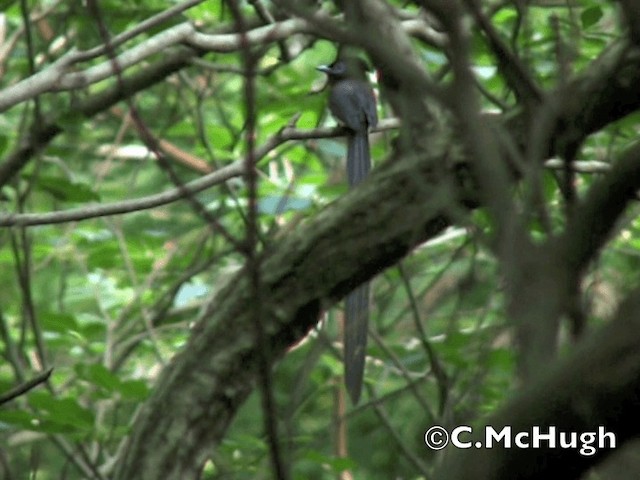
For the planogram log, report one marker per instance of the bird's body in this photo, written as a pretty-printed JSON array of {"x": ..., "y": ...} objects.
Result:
[{"x": 353, "y": 103}]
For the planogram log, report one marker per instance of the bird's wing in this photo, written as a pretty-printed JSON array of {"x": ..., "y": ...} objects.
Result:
[{"x": 352, "y": 102}]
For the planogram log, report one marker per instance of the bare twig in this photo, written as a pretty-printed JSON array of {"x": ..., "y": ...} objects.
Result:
[
  {"x": 233, "y": 170},
  {"x": 149, "y": 138},
  {"x": 59, "y": 77},
  {"x": 259, "y": 305},
  {"x": 514, "y": 71},
  {"x": 23, "y": 388}
]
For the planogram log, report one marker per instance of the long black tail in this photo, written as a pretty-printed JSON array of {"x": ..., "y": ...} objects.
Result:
[
  {"x": 355, "y": 339},
  {"x": 357, "y": 303},
  {"x": 358, "y": 158}
]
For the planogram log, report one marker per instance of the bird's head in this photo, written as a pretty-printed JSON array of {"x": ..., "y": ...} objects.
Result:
[{"x": 352, "y": 67}]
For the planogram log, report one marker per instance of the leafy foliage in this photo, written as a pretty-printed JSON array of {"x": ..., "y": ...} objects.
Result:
[{"x": 108, "y": 301}]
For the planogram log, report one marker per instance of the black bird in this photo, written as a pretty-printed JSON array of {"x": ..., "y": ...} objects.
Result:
[{"x": 353, "y": 103}]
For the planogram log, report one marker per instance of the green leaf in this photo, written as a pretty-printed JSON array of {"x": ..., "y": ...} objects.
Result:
[
  {"x": 336, "y": 464},
  {"x": 502, "y": 359},
  {"x": 18, "y": 418},
  {"x": 65, "y": 190},
  {"x": 99, "y": 375},
  {"x": 134, "y": 390},
  {"x": 104, "y": 256},
  {"x": 60, "y": 412},
  {"x": 58, "y": 322},
  {"x": 591, "y": 16}
]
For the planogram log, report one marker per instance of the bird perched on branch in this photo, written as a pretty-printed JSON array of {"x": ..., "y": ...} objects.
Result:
[{"x": 353, "y": 103}]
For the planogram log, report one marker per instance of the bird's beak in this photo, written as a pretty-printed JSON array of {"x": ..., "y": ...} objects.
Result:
[{"x": 324, "y": 69}]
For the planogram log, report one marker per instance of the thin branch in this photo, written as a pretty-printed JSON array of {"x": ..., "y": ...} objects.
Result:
[
  {"x": 170, "y": 63},
  {"x": 126, "y": 206},
  {"x": 595, "y": 386},
  {"x": 437, "y": 368},
  {"x": 401, "y": 441},
  {"x": 156, "y": 44},
  {"x": 590, "y": 166},
  {"x": 515, "y": 73},
  {"x": 145, "y": 134},
  {"x": 59, "y": 77},
  {"x": 488, "y": 164},
  {"x": 142, "y": 27},
  {"x": 26, "y": 386},
  {"x": 404, "y": 372},
  {"x": 597, "y": 215},
  {"x": 21, "y": 248},
  {"x": 24, "y": 10},
  {"x": 252, "y": 258},
  {"x": 233, "y": 170}
]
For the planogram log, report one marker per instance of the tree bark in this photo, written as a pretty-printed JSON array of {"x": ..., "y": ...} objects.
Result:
[
  {"x": 597, "y": 386},
  {"x": 405, "y": 201}
]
